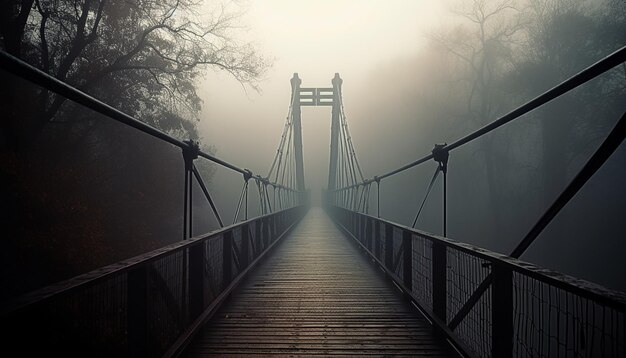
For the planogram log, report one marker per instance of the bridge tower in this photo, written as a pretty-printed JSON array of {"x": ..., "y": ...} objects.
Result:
[
  {"x": 296, "y": 117},
  {"x": 316, "y": 97},
  {"x": 334, "y": 132}
]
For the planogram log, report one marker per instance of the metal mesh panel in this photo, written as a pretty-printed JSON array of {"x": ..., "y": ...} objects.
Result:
[
  {"x": 552, "y": 322},
  {"x": 379, "y": 243},
  {"x": 142, "y": 305},
  {"x": 101, "y": 313},
  {"x": 79, "y": 321},
  {"x": 167, "y": 300},
  {"x": 398, "y": 260},
  {"x": 536, "y": 313},
  {"x": 464, "y": 274},
  {"x": 213, "y": 273},
  {"x": 236, "y": 260},
  {"x": 250, "y": 243},
  {"x": 423, "y": 271}
]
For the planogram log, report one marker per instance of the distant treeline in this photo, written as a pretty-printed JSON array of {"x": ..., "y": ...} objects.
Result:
[{"x": 487, "y": 58}]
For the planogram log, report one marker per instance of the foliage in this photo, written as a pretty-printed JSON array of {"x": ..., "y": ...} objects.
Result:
[{"x": 140, "y": 56}]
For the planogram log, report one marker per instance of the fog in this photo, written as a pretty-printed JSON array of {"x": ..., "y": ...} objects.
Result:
[
  {"x": 392, "y": 69},
  {"x": 415, "y": 74},
  {"x": 315, "y": 40}
]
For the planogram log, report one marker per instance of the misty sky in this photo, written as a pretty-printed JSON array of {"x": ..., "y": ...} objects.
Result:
[
  {"x": 363, "y": 41},
  {"x": 315, "y": 39}
]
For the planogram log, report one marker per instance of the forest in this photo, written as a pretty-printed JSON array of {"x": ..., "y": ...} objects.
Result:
[{"x": 79, "y": 191}]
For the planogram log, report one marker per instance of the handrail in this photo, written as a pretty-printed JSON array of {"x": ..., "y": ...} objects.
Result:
[
  {"x": 174, "y": 289},
  {"x": 529, "y": 310},
  {"x": 589, "y": 73},
  {"x": 120, "y": 267},
  {"x": 610, "y": 297},
  {"x": 19, "y": 67}
]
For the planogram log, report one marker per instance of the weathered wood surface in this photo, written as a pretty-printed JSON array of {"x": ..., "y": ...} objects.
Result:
[{"x": 316, "y": 295}]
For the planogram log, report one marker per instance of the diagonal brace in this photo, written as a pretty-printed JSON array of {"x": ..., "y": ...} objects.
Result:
[
  {"x": 610, "y": 144},
  {"x": 207, "y": 195}
]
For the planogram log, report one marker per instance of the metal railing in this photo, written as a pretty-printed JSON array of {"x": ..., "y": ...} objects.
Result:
[
  {"x": 526, "y": 311},
  {"x": 149, "y": 305},
  {"x": 152, "y": 304},
  {"x": 190, "y": 149}
]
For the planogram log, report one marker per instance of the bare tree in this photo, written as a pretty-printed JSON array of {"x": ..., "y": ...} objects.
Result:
[
  {"x": 484, "y": 42},
  {"x": 140, "y": 56},
  {"x": 74, "y": 182}
]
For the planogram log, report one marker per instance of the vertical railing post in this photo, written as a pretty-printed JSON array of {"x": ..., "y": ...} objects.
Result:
[
  {"x": 368, "y": 234},
  {"x": 258, "y": 240},
  {"x": 352, "y": 221},
  {"x": 196, "y": 279},
  {"x": 186, "y": 203},
  {"x": 245, "y": 244},
  {"x": 502, "y": 311},
  {"x": 360, "y": 229},
  {"x": 389, "y": 247},
  {"x": 275, "y": 228},
  {"x": 377, "y": 240},
  {"x": 227, "y": 257},
  {"x": 445, "y": 202},
  {"x": 441, "y": 155},
  {"x": 407, "y": 259},
  {"x": 137, "y": 288},
  {"x": 278, "y": 221},
  {"x": 266, "y": 233},
  {"x": 439, "y": 276},
  {"x": 190, "y": 153},
  {"x": 377, "y": 196}
]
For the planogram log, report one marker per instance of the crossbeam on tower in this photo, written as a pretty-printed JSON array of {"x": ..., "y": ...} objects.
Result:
[
  {"x": 317, "y": 96},
  {"x": 341, "y": 150}
]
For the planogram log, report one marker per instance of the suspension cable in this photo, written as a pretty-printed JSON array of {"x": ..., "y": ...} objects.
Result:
[
  {"x": 239, "y": 204},
  {"x": 349, "y": 137},
  {"x": 614, "y": 59},
  {"x": 279, "y": 151},
  {"x": 20, "y": 68}
]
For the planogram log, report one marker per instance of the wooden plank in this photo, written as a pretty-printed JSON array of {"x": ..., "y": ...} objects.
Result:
[{"x": 316, "y": 295}]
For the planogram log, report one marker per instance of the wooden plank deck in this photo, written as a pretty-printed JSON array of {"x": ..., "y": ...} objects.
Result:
[{"x": 317, "y": 295}]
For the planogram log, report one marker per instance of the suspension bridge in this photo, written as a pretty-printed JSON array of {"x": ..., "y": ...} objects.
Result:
[{"x": 338, "y": 280}]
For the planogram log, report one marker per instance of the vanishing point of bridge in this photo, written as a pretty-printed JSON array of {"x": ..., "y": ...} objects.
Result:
[{"x": 331, "y": 281}]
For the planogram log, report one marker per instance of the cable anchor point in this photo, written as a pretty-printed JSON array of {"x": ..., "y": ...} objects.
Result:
[
  {"x": 247, "y": 175},
  {"x": 190, "y": 152},
  {"x": 441, "y": 155}
]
